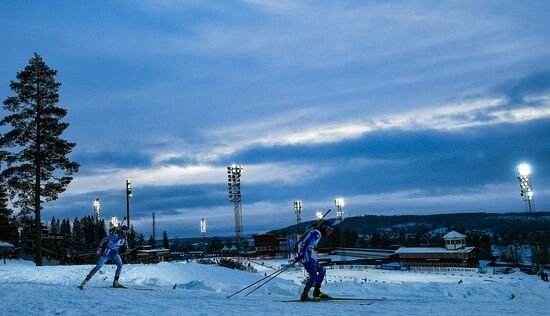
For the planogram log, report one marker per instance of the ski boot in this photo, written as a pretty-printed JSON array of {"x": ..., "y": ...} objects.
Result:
[
  {"x": 305, "y": 295},
  {"x": 117, "y": 284},
  {"x": 81, "y": 286},
  {"x": 318, "y": 295}
]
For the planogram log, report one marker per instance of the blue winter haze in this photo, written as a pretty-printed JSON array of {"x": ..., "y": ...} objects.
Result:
[{"x": 399, "y": 107}]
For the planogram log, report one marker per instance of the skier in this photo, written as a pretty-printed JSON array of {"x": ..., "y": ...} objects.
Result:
[
  {"x": 108, "y": 249},
  {"x": 308, "y": 256}
]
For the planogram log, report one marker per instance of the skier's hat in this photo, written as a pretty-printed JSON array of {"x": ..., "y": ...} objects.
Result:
[{"x": 123, "y": 228}]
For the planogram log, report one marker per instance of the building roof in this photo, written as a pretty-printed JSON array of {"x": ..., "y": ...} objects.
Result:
[
  {"x": 453, "y": 234},
  {"x": 432, "y": 250},
  {"x": 156, "y": 250}
]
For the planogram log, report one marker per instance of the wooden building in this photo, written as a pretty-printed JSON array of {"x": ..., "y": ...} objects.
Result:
[{"x": 455, "y": 254}]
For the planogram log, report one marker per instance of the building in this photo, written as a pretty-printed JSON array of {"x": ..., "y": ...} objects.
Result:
[
  {"x": 269, "y": 245},
  {"x": 148, "y": 254},
  {"x": 455, "y": 254}
]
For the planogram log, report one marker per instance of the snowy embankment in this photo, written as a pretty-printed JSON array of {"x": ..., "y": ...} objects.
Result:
[{"x": 202, "y": 290}]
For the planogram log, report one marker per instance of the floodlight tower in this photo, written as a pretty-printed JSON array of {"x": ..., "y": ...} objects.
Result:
[
  {"x": 97, "y": 206},
  {"x": 526, "y": 188},
  {"x": 203, "y": 232},
  {"x": 339, "y": 202},
  {"x": 298, "y": 211},
  {"x": 114, "y": 222},
  {"x": 128, "y": 196},
  {"x": 234, "y": 173}
]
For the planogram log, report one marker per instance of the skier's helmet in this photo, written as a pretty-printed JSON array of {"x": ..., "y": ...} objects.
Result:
[{"x": 123, "y": 228}]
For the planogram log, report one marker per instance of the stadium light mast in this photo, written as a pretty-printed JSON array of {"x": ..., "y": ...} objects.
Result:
[
  {"x": 97, "y": 206},
  {"x": 203, "y": 232},
  {"x": 298, "y": 211},
  {"x": 234, "y": 173},
  {"x": 128, "y": 195},
  {"x": 526, "y": 188},
  {"x": 114, "y": 222},
  {"x": 339, "y": 202}
]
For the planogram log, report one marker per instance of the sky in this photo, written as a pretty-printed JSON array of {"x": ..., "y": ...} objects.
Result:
[{"x": 399, "y": 107}]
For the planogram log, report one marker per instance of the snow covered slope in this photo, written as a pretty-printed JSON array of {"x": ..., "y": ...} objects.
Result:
[{"x": 202, "y": 290}]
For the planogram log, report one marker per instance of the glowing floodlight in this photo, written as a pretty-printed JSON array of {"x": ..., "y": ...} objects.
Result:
[{"x": 524, "y": 169}]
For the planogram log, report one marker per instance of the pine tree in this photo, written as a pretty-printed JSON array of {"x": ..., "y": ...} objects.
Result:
[
  {"x": 140, "y": 240},
  {"x": 54, "y": 228},
  {"x": 151, "y": 241},
  {"x": 5, "y": 215},
  {"x": 38, "y": 168},
  {"x": 65, "y": 228},
  {"x": 216, "y": 245},
  {"x": 165, "y": 241},
  {"x": 77, "y": 235},
  {"x": 100, "y": 229}
]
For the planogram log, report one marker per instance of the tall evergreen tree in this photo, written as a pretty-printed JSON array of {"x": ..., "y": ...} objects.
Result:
[
  {"x": 151, "y": 241},
  {"x": 54, "y": 228},
  {"x": 165, "y": 241},
  {"x": 38, "y": 168},
  {"x": 5, "y": 215},
  {"x": 140, "y": 240},
  {"x": 100, "y": 230},
  {"x": 77, "y": 235},
  {"x": 65, "y": 228}
]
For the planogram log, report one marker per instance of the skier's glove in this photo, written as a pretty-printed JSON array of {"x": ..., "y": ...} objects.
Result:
[
  {"x": 298, "y": 259},
  {"x": 99, "y": 251}
]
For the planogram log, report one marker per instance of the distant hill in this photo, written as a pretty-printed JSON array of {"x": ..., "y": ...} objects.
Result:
[{"x": 496, "y": 222}]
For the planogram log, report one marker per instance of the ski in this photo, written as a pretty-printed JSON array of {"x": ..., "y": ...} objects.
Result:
[
  {"x": 123, "y": 287},
  {"x": 135, "y": 288},
  {"x": 316, "y": 300}
]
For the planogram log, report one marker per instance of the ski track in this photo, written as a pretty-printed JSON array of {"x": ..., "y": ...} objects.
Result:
[{"x": 202, "y": 290}]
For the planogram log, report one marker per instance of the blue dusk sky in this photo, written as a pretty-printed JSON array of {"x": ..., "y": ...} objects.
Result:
[{"x": 399, "y": 107}]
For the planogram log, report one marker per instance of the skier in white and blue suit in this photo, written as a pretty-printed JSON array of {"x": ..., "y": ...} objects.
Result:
[
  {"x": 308, "y": 256},
  {"x": 108, "y": 249}
]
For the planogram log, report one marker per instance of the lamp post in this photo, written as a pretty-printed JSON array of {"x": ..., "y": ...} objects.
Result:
[
  {"x": 339, "y": 202},
  {"x": 234, "y": 173},
  {"x": 97, "y": 206},
  {"x": 128, "y": 195},
  {"x": 203, "y": 232},
  {"x": 526, "y": 188},
  {"x": 298, "y": 211}
]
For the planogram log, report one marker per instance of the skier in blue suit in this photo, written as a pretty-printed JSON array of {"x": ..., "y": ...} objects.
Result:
[
  {"x": 308, "y": 256},
  {"x": 108, "y": 249}
]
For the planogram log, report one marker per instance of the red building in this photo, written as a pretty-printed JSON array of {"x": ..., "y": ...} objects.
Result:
[{"x": 269, "y": 245}]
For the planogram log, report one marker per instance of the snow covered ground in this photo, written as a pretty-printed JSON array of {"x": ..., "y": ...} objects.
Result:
[{"x": 202, "y": 290}]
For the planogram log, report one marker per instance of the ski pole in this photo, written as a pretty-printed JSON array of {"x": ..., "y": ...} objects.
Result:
[
  {"x": 271, "y": 278},
  {"x": 248, "y": 286}
]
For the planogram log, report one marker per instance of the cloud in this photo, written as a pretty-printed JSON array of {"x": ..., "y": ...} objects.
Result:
[
  {"x": 171, "y": 175},
  {"x": 289, "y": 130}
]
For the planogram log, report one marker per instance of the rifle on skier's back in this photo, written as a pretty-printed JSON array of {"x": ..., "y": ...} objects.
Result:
[{"x": 308, "y": 229}]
